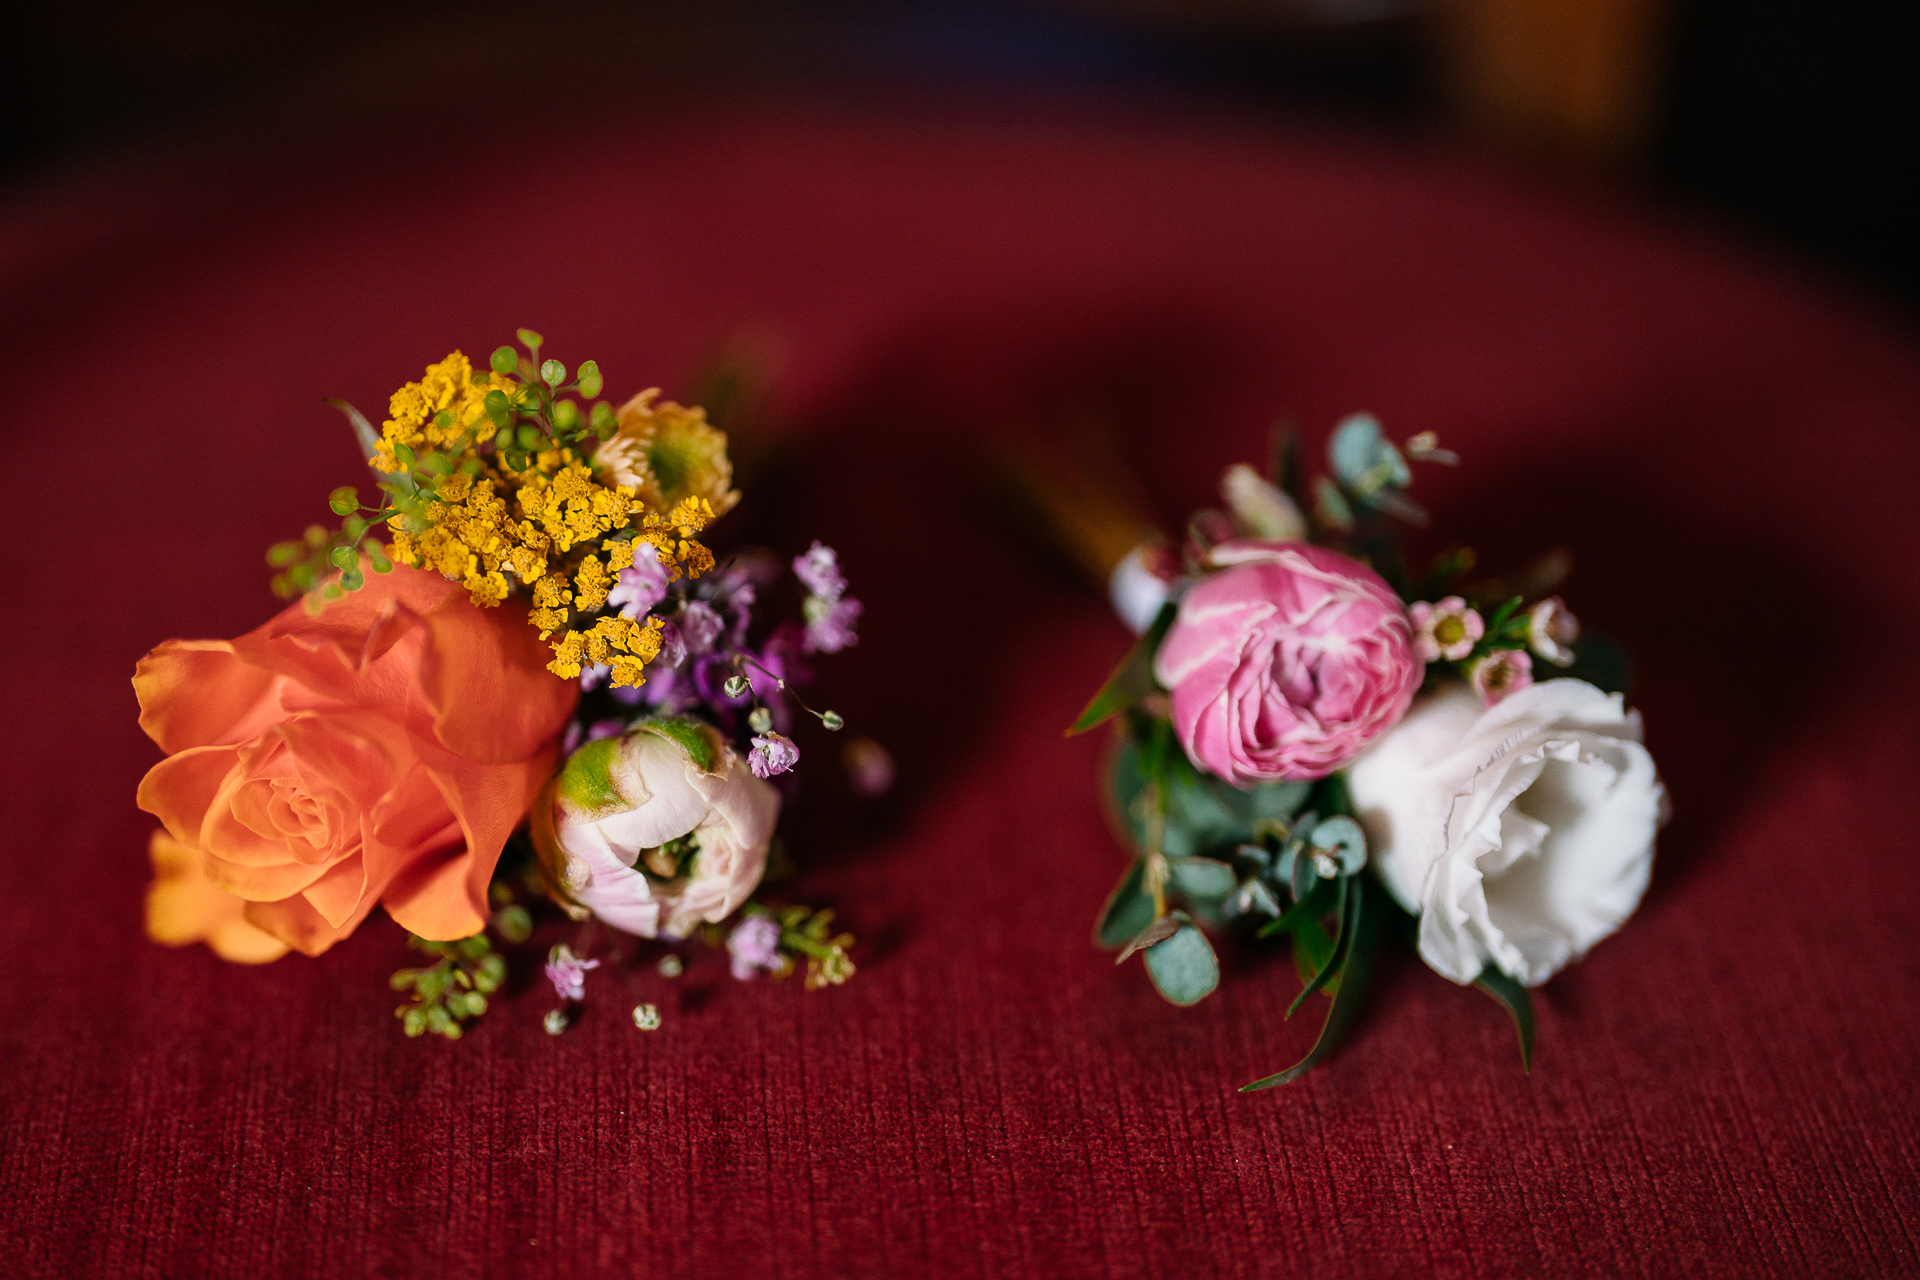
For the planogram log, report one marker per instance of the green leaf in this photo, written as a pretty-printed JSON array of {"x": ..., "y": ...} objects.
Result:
[
  {"x": 499, "y": 408},
  {"x": 344, "y": 558},
  {"x": 531, "y": 339},
  {"x": 344, "y": 501},
  {"x": 566, "y": 415},
  {"x": 504, "y": 360},
  {"x": 1131, "y": 681},
  {"x": 1342, "y": 837},
  {"x": 1518, "y": 1002},
  {"x": 1363, "y": 931},
  {"x": 1307, "y": 911},
  {"x": 1201, "y": 877},
  {"x": 1324, "y": 968},
  {"x": 605, "y": 421},
  {"x": 1183, "y": 967},
  {"x": 552, "y": 372},
  {"x": 1128, "y": 910},
  {"x": 363, "y": 431},
  {"x": 590, "y": 379}
]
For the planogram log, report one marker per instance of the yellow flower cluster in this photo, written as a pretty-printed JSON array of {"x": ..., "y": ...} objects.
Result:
[
  {"x": 552, "y": 527},
  {"x": 447, "y": 402}
]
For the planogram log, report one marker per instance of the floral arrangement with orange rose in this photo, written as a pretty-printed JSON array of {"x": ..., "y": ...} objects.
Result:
[
  {"x": 542, "y": 687},
  {"x": 1315, "y": 743}
]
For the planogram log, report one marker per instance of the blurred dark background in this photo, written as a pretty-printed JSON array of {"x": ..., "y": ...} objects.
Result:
[{"x": 1787, "y": 121}]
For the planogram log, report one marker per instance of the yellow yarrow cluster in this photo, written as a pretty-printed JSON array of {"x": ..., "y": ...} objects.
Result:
[
  {"x": 552, "y": 526},
  {"x": 447, "y": 402}
]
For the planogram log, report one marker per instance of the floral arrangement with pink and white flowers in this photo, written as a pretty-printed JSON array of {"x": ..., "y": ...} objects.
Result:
[
  {"x": 517, "y": 676},
  {"x": 1314, "y": 744}
]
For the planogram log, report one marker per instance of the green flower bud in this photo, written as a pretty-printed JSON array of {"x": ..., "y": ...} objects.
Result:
[
  {"x": 499, "y": 409},
  {"x": 528, "y": 438},
  {"x": 831, "y": 720},
  {"x": 566, "y": 415}
]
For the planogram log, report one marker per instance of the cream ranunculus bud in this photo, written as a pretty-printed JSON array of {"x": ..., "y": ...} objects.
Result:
[
  {"x": 660, "y": 829},
  {"x": 1520, "y": 834}
]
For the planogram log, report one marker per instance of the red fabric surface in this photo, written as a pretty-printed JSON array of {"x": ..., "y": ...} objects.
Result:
[{"x": 1726, "y": 1088}]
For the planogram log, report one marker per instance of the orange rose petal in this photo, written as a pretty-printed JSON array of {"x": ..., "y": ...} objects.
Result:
[
  {"x": 496, "y": 651},
  {"x": 180, "y": 789},
  {"x": 337, "y": 894},
  {"x": 295, "y": 922},
  {"x": 196, "y": 693},
  {"x": 434, "y": 899},
  {"x": 184, "y": 907}
]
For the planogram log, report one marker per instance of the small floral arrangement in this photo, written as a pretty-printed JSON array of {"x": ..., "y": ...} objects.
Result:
[
  {"x": 1315, "y": 744},
  {"x": 542, "y": 686}
]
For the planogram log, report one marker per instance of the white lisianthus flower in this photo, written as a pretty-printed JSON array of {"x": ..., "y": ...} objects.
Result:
[
  {"x": 1520, "y": 834},
  {"x": 658, "y": 830}
]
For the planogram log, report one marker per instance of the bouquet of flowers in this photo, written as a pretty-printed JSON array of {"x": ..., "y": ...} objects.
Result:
[
  {"x": 1312, "y": 741},
  {"x": 541, "y": 685}
]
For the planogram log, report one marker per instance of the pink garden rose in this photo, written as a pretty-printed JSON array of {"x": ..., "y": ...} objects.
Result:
[{"x": 1286, "y": 662}]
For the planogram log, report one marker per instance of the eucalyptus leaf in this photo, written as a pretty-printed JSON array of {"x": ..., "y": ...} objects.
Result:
[
  {"x": 1364, "y": 917},
  {"x": 1128, "y": 910},
  {"x": 1363, "y": 460},
  {"x": 1518, "y": 1002},
  {"x": 1341, "y": 837},
  {"x": 1183, "y": 967},
  {"x": 1131, "y": 681},
  {"x": 1204, "y": 814},
  {"x": 1200, "y": 877}
]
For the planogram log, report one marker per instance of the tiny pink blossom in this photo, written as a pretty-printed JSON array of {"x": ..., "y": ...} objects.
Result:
[
  {"x": 753, "y": 945},
  {"x": 772, "y": 753},
  {"x": 819, "y": 572},
  {"x": 1447, "y": 630},
  {"x": 830, "y": 624},
  {"x": 641, "y": 586},
  {"x": 1500, "y": 673},
  {"x": 1551, "y": 630},
  {"x": 568, "y": 972}
]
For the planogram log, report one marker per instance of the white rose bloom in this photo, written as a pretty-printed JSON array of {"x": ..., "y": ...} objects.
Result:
[
  {"x": 1520, "y": 834},
  {"x": 661, "y": 829}
]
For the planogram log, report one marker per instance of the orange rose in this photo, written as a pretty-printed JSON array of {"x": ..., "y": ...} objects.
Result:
[{"x": 381, "y": 751}]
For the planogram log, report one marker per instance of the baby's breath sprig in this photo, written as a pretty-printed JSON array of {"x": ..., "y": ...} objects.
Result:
[{"x": 810, "y": 933}]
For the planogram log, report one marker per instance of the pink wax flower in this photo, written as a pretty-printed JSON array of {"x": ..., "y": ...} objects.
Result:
[
  {"x": 1500, "y": 673},
  {"x": 1286, "y": 663},
  {"x": 1445, "y": 630},
  {"x": 1551, "y": 630}
]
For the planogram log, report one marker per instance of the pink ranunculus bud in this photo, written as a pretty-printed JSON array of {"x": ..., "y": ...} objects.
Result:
[{"x": 1286, "y": 663}]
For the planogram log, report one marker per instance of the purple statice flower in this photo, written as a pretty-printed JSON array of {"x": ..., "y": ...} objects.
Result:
[
  {"x": 700, "y": 626},
  {"x": 568, "y": 972},
  {"x": 772, "y": 753},
  {"x": 819, "y": 572},
  {"x": 640, "y": 587},
  {"x": 753, "y": 945},
  {"x": 830, "y": 624}
]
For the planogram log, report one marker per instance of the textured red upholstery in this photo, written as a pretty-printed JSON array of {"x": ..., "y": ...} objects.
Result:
[{"x": 1728, "y": 449}]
